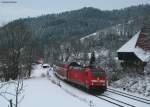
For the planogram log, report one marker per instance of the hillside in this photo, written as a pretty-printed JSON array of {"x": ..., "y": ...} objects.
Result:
[{"x": 55, "y": 37}]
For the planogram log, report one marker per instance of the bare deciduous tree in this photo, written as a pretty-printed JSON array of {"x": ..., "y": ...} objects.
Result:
[
  {"x": 13, "y": 41},
  {"x": 12, "y": 91}
]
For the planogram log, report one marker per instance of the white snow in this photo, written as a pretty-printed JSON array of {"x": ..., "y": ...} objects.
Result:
[
  {"x": 46, "y": 94},
  {"x": 143, "y": 55},
  {"x": 93, "y": 34},
  {"x": 130, "y": 46}
]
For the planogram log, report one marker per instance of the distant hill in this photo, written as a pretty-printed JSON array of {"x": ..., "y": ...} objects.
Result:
[{"x": 79, "y": 23}]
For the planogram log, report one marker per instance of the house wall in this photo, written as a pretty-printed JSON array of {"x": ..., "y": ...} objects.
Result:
[{"x": 130, "y": 62}]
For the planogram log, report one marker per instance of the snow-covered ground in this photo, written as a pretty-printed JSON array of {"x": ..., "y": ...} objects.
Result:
[
  {"x": 133, "y": 83},
  {"x": 49, "y": 91},
  {"x": 44, "y": 92}
]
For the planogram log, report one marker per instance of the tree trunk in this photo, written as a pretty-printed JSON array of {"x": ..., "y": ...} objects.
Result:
[{"x": 10, "y": 101}]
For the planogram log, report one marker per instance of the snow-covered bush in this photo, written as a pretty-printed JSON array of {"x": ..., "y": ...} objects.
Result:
[
  {"x": 113, "y": 77},
  {"x": 134, "y": 82}
]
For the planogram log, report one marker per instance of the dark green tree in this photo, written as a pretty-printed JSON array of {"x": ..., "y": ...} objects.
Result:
[{"x": 92, "y": 60}]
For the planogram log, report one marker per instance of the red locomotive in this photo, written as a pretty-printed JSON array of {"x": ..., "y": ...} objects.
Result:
[{"x": 92, "y": 78}]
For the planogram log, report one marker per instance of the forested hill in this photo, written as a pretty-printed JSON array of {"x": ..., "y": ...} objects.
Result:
[
  {"x": 56, "y": 38},
  {"x": 78, "y": 23}
]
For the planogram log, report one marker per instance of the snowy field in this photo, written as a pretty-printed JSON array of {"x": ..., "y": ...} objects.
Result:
[{"x": 43, "y": 91}]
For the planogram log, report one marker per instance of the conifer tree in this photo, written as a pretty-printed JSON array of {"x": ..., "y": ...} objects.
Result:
[{"x": 92, "y": 60}]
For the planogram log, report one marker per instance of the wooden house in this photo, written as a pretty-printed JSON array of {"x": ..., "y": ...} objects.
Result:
[{"x": 135, "y": 54}]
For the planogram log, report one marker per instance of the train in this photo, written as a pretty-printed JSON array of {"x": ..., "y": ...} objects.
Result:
[{"x": 91, "y": 78}]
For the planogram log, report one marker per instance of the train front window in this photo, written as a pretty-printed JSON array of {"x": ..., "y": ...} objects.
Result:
[{"x": 97, "y": 73}]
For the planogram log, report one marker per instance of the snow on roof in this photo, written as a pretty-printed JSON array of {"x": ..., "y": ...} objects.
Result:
[
  {"x": 142, "y": 54},
  {"x": 46, "y": 64},
  {"x": 130, "y": 46}
]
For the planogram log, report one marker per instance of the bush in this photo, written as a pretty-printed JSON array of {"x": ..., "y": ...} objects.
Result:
[{"x": 113, "y": 77}]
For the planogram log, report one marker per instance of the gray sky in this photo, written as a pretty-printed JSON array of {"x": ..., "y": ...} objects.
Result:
[{"x": 25, "y": 8}]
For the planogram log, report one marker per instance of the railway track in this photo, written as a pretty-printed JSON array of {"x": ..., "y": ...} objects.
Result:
[
  {"x": 128, "y": 94},
  {"x": 139, "y": 99},
  {"x": 120, "y": 103},
  {"x": 114, "y": 101}
]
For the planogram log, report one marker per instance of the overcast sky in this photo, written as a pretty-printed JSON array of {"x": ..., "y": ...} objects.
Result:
[{"x": 25, "y": 8}]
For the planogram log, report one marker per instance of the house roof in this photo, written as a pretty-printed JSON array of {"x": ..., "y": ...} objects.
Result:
[{"x": 130, "y": 46}]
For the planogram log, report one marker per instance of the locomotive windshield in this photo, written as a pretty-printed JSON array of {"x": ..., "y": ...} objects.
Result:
[{"x": 97, "y": 73}]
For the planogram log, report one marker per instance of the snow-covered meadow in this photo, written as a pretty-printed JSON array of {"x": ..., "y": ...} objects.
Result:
[{"x": 41, "y": 90}]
